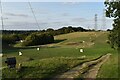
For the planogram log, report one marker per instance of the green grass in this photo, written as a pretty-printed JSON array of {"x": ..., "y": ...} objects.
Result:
[
  {"x": 110, "y": 68},
  {"x": 44, "y": 68},
  {"x": 49, "y": 60}
]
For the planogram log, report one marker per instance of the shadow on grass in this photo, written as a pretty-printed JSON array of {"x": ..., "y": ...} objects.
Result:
[
  {"x": 14, "y": 49},
  {"x": 7, "y": 48},
  {"x": 40, "y": 72},
  {"x": 57, "y": 41}
]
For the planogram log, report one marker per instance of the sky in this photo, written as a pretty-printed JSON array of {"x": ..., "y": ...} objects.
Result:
[{"x": 19, "y": 16}]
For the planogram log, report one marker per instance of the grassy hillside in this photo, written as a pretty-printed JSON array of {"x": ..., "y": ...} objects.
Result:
[{"x": 53, "y": 59}]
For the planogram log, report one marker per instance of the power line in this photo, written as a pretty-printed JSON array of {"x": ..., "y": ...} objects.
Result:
[
  {"x": 1, "y": 15},
  {"x": 34, "y": 15}
]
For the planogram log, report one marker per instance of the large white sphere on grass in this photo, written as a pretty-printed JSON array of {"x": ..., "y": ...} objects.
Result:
[
  {"x": 81, "y": 50},
  {"x": 21, "y": 41},
  {"x": 83, "y": 41},
  {"x": 20, "y": 53},
  {"x": 38, "y": 49}
]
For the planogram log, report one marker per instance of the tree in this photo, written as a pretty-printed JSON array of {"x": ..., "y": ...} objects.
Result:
[
  {"x": 50, "y": 29},
  {"x": 113, "y": 11}
]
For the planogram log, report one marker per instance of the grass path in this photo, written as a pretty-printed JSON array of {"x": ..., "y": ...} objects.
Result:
[{"x": 86, "y": 70}]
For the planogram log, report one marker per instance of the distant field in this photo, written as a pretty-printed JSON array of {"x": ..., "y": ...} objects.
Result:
[{"x": 66, "y": 46}]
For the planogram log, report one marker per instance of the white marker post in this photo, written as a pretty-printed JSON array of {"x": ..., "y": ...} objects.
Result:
[
  {"x": 83, "y": 41},
  {"x": 21, "y": 41},
  {"x": 38, "y": 49},
  {"x": 20, "y": 53},
  {"x": 1, "y": 54},
  {"x": 81, "y": 50}
]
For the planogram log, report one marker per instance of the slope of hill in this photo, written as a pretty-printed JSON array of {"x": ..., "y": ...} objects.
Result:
[{"x": 63, "y": 55}]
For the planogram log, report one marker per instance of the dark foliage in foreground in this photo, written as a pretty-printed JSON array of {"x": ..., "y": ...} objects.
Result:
[{"x": 113, "y": 11}]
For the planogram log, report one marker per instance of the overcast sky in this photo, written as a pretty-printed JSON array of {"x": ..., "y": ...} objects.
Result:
[{"x": 18, "y": 15}]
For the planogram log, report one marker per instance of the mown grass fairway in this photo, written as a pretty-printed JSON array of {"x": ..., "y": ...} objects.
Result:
[{"x": 56, "y": 58}]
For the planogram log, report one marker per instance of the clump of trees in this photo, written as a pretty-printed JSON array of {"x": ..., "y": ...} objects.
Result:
[
  {"x": 10, "y": 39},
  {"x": 113, "y": 11},
  {"x": 7, "y": 40},
  {"x": 38, "y": 39},
  {"x": 30, "y": 40}
]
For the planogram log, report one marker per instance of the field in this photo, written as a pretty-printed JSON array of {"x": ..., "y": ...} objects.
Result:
[{"x": 63, "y": 55}]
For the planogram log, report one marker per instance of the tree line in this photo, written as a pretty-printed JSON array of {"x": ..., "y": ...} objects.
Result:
[{"x": 34, "y": 37}]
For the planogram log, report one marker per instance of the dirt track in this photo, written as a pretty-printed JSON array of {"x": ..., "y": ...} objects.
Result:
[{"x": 86, "y": 70}]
